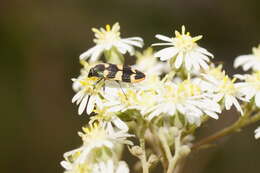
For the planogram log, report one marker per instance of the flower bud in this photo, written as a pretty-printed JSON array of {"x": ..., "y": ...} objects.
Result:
[
  {"x": 136, "y": 151},
  {"x": 153, "y": 159},
  {"x": 184, "y": 150}
]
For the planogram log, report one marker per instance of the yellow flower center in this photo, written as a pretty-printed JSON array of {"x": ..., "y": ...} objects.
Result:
[
  {"x": 184, "y": 41},
  {"x": 183, "y": 91},
  {"x": 216, "y": 72},
  {"x": 227, "y": 85},
  {"x": 102, "y": 115},
  {"x": 146, "y": 98},
  {"x": 129, "y": 97},
  {"x": 93, "y": 133},
  {"x": 90, "y": 86},
  {"x": 108, "y": 35}
]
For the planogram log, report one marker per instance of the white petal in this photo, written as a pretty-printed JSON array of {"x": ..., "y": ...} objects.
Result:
[
  {"x": 166, "y": 53},
  {"x": 91, "y": 104},
  {"x": 134, "y": 43},
  {"x": 123, "y": 48},
  {"x": 248, "y": 65},
  {"x": 240, "y": 60},
  {"x": 120, "y": 124},
  {"x": 179, "y": 60},
  {"x": 162, "y": 44},
  {"x": 164, "y": 38},
  {"x": 135, "y": 39},
  {"x": 96, "y": 54},
  {"x": 86, "y": 54},
  {"x": 115, "y": 108},
  {"x": 77, "y": 96},
  {"x": 82, "y": 105},
  {"x": 237, "y": 105},
  {"x": 241, "y": 77},
  {"x": 204, "y": 51},
  {"x": 66, "y": 165},
  {"x": 203, "y": 64},
  {"x": 228, "y": 102},
  {"x": 188, "y": 63},
  {"x": 257, "y": 99},
  {"x": 212, "y": 114}
]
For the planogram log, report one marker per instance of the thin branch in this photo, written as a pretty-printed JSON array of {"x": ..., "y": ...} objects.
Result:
[
  {"x": 173, "y": 162},
  {"x": 143, "y": 157},
  {"x": 242, "y": 122}
]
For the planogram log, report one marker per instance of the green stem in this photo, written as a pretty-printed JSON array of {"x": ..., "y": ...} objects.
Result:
[{"x": 242, "y": 122}]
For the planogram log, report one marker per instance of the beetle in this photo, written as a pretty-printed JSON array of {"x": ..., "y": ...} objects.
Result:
[{"x": 119, "y": 73}]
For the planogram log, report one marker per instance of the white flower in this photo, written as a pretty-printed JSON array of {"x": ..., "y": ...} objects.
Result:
[
  {"x": 147, "y": 63},
  {"x": 183, "y": 50},
  {"x": 251, "y": 87},
  {"x": 251, "y": 61},
  {"x": 222, "y": 88},
  {"x": 88, "y": 94},
  {"x": 257, "y": 133},
  {"x": 110, "y": 167},
  {"x": 96, "y": 137},
  {"x": 184, "y": 98},
  {"x": 109, "y": 38}
]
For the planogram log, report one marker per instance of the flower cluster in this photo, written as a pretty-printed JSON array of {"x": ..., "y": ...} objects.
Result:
[
  {"x": 250, "y": 85},
  {"x": 175, "y": 98},
  {"x": 97, "y": 154}
]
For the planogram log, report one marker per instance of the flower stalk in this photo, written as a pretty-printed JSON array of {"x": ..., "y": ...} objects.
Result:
[{"x": 243, "y": 121}]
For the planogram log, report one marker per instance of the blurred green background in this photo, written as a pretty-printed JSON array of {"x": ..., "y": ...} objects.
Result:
[{"x": 39, "y": 49}]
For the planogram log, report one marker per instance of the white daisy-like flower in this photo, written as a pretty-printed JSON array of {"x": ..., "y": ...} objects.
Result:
[
  {"x": 109, "y": 38},
  {"x": 257, "y": 133},
  {"x": 148, "y": 63},
  {"x": 94, "y": 137},
  {"x": 251, "y": 87},
  {"x": 110, "y": 167},
  {"x": 251, "y": 61},
  {"x": 88, "y": 94},
  {"x": 183, "y": 50},
  {"x": 184, "y": 98},
  {"x": 223, "y": 88}
]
